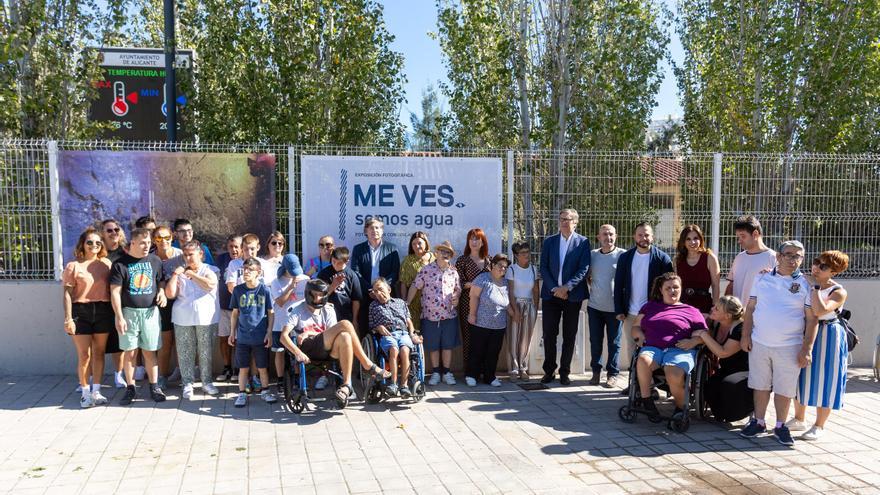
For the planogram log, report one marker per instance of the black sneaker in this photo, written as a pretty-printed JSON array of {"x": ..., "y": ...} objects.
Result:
[
  {"x": 156, "y": 393},
  {"x": 547, "y": 378},
  {"x": 648, "y": 406},
  {"x": 753, "y": 429},
  {"x": 564, "y": 379},
  {"x": 783, "y": 436},
  {"x": 128, "y": 396}
]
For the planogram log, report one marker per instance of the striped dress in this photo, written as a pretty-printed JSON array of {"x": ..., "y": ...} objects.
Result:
[{"x": 823, "y": 383}]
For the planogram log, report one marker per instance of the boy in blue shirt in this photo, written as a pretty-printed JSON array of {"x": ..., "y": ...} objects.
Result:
[{"x": 252, "y": 319}]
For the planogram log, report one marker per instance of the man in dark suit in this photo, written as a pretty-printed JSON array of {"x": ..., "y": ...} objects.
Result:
[
  {"x": 636, "y": 270},
  {"x": 372, "y": 259},
  {"x": 565, "y": 260}
]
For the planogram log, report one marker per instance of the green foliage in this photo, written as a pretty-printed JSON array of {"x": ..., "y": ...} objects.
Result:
[
  {"x": 780, "y": 76},
  {"x": 428, "y": 131}
]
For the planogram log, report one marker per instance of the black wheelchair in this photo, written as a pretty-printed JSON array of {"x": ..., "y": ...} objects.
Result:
[
  {"x": 376, "y": 388},
  {"x": 296, "y": 383},
  {"x": 694, "y": 390}
]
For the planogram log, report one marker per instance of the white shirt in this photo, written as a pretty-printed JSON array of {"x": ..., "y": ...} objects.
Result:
[
  {"x": 374, "y": 259},
  {"x": 563, "y": 250},
  {"x": 270, "y": 270},
  {"x": 778, "y": 319},
  {"x": 195, "y": 306},
  {"x": 638, "y": 286},
  {"x": 745, "y": 268},
  {"x": 278, "y": 286},
  {"x": 523, "y": 280},
  {"x": 234, "y": 272}
]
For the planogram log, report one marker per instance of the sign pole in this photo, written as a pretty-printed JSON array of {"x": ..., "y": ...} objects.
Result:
[{"x": 170, "y": 82}]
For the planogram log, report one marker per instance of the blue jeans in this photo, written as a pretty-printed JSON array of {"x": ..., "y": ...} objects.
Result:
[{"x": 604, "y": 323}]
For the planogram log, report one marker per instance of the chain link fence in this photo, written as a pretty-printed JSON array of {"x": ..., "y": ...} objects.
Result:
[{"x": 826, "y": 201}]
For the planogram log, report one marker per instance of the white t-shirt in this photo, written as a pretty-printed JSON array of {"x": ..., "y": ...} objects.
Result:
[
  {"x": 523, "y": 280},
  {"x": 638, "y": 287},
  {"x": 779, "y": 309},
  {"x": 278, "y": 286},
  {"x": 745, "y": 268},
  {"x": 234, "y": 272},
  {"x": 300, "y": 318},
  {"x": 195, "y": 306},
  {"x": 270, "y": 271}
]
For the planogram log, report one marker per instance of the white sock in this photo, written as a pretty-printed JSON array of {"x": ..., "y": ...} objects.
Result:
[
  {"x": 96, "y": 387},
  {"x": 85, "y": 391}
]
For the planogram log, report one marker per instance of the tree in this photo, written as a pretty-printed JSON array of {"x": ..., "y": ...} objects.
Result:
[
  {"x": 780, "y": 76},
  {"x": 428, "y": 132}
]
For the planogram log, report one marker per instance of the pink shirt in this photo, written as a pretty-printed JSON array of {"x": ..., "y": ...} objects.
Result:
[{"x": 439, "y": 288}]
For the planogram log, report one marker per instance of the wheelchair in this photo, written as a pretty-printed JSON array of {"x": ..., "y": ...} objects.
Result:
[
  {"x": 296, "y": 390},
  {"x": 694, "y": 390},
  {"x": 376, "y": 389}
]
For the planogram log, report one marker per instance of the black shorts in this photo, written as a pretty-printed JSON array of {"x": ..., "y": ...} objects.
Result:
[
  {"x": 313, "y": 347},
  {"x": 243, "y": 353},
  {"x": 94, "y": 317},
  {"x": 165, "y": 316}
]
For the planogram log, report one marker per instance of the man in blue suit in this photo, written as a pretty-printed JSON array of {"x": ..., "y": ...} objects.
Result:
[
  {"x": 565, "y": 260},
  {"x": 372, "y": 259},
  {"x": 636, "y": 270}
]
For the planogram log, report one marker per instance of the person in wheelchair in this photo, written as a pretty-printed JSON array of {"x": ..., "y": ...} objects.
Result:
[
  {"x": 319, "y": 337},
  {"x": 390, "y": 318},
  {"x": 727, "y": 390},
  {"x": 660, "y": 325}
]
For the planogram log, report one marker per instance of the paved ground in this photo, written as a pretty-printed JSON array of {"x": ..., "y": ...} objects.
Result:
[{"x": 459, "y": 440}]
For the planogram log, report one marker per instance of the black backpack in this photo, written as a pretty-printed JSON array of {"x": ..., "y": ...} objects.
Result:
[{"x": 852, "y": 339}]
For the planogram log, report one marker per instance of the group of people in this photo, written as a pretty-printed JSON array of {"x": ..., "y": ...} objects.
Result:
[{"x": 138, "y": 299}]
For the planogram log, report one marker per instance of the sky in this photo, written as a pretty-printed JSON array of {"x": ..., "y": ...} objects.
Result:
[{"x": 410, "y": 21}]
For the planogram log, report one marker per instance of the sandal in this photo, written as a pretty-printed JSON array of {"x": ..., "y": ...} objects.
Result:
[
  {"x": 344, "y": 392},
  {"x": 377, "y": 372}
]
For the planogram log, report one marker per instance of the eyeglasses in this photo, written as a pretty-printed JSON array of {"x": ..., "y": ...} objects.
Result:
[
  {"x": 822, "y": 266},
  {"x": 94, "y": 243},
  {"x": 277, "y": 243},
  {"x": 251, "y": 269},
  {"x": 162, "y": 238},
  {"x": 111, "y": 231},
  {"x": 444, "y": 254},
  {"x": 793, "y": 257},
  {"x": 566, "y": 219},
  {"x": 325, "y": 244}
]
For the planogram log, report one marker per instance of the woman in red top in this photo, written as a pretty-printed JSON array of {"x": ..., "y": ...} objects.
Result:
[
  {"x": 698, "y": 268},
  {"x": 473, "y": 261}
]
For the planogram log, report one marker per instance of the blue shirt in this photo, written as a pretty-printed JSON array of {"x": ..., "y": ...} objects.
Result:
[{"x": 253, "y": 307}]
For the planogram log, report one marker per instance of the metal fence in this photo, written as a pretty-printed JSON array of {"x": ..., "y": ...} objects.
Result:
[{"x": 826, "y": 201}]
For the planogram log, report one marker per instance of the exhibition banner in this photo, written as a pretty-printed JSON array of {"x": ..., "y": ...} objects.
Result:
[
  {"x": 444, "y": 197},
  {"x": 220, "y": 193}
]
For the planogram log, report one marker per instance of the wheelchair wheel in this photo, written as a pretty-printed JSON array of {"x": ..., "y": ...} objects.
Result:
[
  {"x": 418, "y": 391},
  {"x": 373, "y": 394},
  {"x": 297, "y": 404},
  {"x": 369, "y": 346},
  {"x": 627, "y": 414},
  {"x": 287, "y": 389},
  {"x": 701, "y": 380}
]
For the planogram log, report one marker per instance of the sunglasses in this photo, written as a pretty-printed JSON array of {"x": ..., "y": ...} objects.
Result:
[
  {"x": 94, "y": 243},
  {"x": 822, "y": 266},
  {"x": 325, "y": 244},
  {"x": 162, "y": 238},
  {"x": 110, "y": 231},
  {"x": 444, "y": 254},
  {"x": 277, "y": 243}
]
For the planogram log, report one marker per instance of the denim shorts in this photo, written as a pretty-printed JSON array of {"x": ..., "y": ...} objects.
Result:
[
  {"x": 397, "y": 339},
  {"x": 672, "y": 356},
  {"x": 440, "y": 335}
]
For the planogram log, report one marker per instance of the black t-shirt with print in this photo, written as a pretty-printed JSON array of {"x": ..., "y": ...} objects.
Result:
[{"x": 139, "y": 278}]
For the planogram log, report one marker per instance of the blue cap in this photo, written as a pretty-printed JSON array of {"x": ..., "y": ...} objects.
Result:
[{"x": 290, "y": 264}]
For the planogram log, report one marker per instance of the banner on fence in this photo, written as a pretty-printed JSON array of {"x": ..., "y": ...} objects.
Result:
[
  {"x": 444, "y": 197},
  {"x": 220, "y": 193}
]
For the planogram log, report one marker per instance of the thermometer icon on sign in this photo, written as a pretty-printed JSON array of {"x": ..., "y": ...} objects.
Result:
[{"x": 119, "y": 106}]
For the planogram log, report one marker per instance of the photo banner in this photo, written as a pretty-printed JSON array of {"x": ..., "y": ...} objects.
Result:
[
  {"x": 444, "y": 197},
  {"x": 220, "y": 193}
]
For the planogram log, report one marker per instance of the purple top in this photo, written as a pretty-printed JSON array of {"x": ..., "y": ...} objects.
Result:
[{"x": 665, "y": 324}]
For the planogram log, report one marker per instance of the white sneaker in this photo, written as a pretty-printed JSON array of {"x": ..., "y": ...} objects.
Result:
[
  {"x": 119, "y": 378},
  {"x": 496, "y": 383},
  {"x": 98, "y": 399},
  {"x": 139, "y": 373},
  {"x": 241, "y": 400},
  {"x": 435, "y": 379},
  {"x": 321, "y": 384},
  {"x": 814, "y": 433},
  {"x": 188, "y": 391},
  {"x": 448, "y": 378},
  {"x": 210, "y": 389},
  {"x": 86, "y": 402},
  {"x": 470, "y": 381},
  {"x": 795, "y": 425}
]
